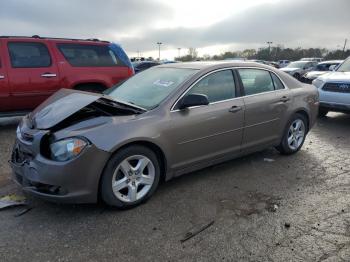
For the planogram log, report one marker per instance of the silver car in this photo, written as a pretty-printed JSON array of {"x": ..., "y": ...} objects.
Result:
[
  {"x": 298, "y": 68},
  {"x": 161, "y": 123}
]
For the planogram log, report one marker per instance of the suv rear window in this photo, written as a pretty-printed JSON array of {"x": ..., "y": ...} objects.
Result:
[
  {"x": 89, "y": 55},
  {"x": 29, "y": 55}
]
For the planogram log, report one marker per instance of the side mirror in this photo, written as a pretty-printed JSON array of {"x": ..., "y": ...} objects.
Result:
[
  {"x": 332, "y": 67},
  {"x": 193, "y": 100}
]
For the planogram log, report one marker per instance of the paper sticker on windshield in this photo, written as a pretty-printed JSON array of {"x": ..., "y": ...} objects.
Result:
[{"x": 163, "y": 83}]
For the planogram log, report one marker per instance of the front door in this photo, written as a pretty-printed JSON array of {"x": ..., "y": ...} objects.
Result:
[
  {"x": 205, "y": 133},
  {"x": 33, "y": 73}
]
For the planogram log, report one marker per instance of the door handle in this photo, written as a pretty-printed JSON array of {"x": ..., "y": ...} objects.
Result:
[
  {"x": 2, "y": 77},
  {"x": 284, "y": 99},
  {"x": 48, "y": 75},
  {"x": 235, "y": 109}
]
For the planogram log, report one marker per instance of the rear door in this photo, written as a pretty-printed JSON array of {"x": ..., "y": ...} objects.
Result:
[
  {"x": 266, "y": 103},
  {"x": 4, "y": 85},
  {"x": 205, "y": 133},
  {"x": 33, "y": 72},
  {"x": 88, "y": 62}
]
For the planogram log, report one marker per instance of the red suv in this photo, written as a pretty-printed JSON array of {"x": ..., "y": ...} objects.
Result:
[{"x": 32, "y": 68}]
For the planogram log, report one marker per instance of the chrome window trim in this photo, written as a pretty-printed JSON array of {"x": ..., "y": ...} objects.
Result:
[{"x": 226, "y": 100}]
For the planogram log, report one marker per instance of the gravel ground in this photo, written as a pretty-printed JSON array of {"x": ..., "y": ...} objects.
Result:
[{"x": 294, "y": 208}]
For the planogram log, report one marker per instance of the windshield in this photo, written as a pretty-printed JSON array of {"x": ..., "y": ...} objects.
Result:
[
  {"x": 150, "y": 87},
  {"x": 297, "y": 64},
  {"x": 344, "y": 67}
]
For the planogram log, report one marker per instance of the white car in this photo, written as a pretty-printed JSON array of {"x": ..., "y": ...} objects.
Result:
[
  {"x": 334, "y": 90},
  {"x": 314, "y": 59},
  {"x": 321, "y": 68},
  {"x": 283, "y": 63},
  {"x": 299, "y": 68}
]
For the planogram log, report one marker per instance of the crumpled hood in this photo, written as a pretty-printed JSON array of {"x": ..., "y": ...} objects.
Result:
[
  {"x": 77, "y": 106},
  {"x": 59, "y": 106},
  {"x": 336, "y": 77}
]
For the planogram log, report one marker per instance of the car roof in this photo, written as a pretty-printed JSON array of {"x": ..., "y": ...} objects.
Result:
[
  {"x": 71, "y": 40},
  {"x": 214, "y": 65},
  {"x": 330, "y": 62}
]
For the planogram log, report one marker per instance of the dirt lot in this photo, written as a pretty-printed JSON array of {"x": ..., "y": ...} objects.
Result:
[{"x": 295, "y": 208}]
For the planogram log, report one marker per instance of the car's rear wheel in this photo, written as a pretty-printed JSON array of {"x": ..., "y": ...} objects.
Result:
[
  {"x": 130, "y": 177},
  {"x": 322, "y": 112},
  {"x": 294, "y": 135}
]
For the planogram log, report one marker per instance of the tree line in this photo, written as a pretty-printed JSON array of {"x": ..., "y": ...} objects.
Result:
[{"x": 269, "y": 54}]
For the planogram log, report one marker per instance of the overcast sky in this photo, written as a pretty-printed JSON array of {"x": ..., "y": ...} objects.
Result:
[{"x": 212, "y": 27}]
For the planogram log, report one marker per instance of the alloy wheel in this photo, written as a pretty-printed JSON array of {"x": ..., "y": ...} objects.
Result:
[
  {"x": 133, "y": 178},
  {"x": 296, "y": 134}
]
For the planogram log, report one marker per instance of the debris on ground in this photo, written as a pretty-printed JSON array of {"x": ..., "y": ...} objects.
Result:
[
  {"x": 287, "y": 225},
  {"x": 272, "y": 208},
  {"x": 23, "y": 212},
  {"x": 269, "y": 160},
  {"x": 12, "y": 201},
  {"x": 195, "y": 232}
]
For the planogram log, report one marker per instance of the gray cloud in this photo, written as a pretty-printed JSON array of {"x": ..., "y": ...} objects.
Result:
[
  {"x": 78, "y": 18},
  {"x": 292, "y": 23}
]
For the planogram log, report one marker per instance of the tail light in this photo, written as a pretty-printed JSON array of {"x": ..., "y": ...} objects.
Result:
[{"x": 131, "y": 71}]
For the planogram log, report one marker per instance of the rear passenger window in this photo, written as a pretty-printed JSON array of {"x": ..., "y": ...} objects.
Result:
[
  {"x": 256, "y": 81},
  {"x": 81, "y": 55},
  {"x": 277, "y": 82},
  {"x": 217, "y": 86},
  {"x": 29, "y": 55}
]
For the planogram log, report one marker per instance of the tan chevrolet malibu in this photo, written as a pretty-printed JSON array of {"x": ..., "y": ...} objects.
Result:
[{"x": 161, "y": 123}]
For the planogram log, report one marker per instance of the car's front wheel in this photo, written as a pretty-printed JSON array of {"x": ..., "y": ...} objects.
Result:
[
  {"x": 130, "y": 177},
  {"x": 294, "y": 135},
  {"x": 297, "y": 76}
]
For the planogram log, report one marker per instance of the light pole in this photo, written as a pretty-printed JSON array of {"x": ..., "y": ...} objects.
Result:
[
  {"x": 269, "y": 43},
  {"x": 178, "y": 49},
  {"x": 345, "y": 42},
  {"x": 159, "y": 43}
]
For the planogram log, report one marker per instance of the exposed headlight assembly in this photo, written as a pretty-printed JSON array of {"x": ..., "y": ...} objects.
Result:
[
  {"x": 318, "y": 83},
  {"x": 66, "y": 149}
]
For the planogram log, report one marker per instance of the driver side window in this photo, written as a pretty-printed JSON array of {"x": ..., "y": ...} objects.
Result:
[{"x": 217, "y": 86}]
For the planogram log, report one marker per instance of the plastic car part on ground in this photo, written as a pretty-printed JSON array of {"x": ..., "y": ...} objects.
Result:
[{"x": 12, "y": 201}]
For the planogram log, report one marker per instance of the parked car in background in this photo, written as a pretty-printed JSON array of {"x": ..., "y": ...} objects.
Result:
[
  {"x": 313, "y": 59},
  {"x": 283, "y": 63},
  {"x": 274, "y": 64},
  {"x": 334, "y": 89},
  {"x": 143, "y": 65},
  {"x": 270, "y": 63},
  {"x": 33, "y": 68},
  {"x": 320, "y": 69},
  {"x": 299, "y": 68},
  {"x": 161, "y": 123}
]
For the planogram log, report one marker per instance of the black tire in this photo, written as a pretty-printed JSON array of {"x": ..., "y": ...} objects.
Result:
[
  {"x": 297, "y": 76},
  {"x": 94, "y": 88},
  {"x": 284, "y": 147},
  {"x": 106, "y": 190},
  {"x": 322, "y": 112}
]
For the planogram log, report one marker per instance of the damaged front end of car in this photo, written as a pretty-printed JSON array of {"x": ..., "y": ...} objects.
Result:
[{"x": 52, "y": 158}]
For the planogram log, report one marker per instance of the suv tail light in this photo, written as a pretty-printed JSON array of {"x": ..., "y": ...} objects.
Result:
[{"x": 131, "y": 71}]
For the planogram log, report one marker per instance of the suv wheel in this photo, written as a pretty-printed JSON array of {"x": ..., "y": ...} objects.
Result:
[
  {"x": 294, "y": 135},
  {"x": 130, "y": 177},
  {"x": 94, "y": 88}
]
